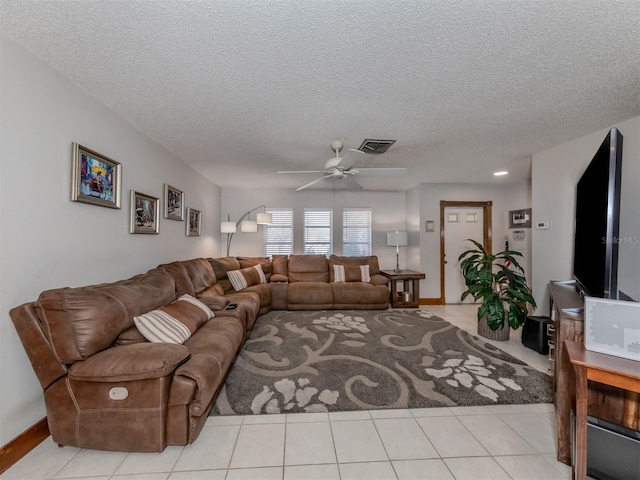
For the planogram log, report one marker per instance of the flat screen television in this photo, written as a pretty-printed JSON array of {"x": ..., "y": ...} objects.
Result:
[{"x": 597, "y": 221}]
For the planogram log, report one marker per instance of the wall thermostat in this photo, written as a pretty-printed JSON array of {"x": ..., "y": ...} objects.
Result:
[{"x": 543, "y": 225}]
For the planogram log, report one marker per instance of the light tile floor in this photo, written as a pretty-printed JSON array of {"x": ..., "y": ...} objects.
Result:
[{"x": 488, "y": 442}]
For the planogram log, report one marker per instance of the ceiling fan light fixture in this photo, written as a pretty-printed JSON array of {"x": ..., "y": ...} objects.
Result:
[{"x": 370, "y": 145}]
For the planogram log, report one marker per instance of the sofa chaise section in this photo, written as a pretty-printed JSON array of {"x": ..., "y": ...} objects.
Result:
[{"x": 105, "y": 386}]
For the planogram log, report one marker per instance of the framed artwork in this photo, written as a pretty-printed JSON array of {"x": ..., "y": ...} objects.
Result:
[
  {"x": 145, "y": 213},
  {"x": 95, "y": 178},
  {"x": 194, "y": 218},
  {"x": 173, "y": 203},
  {"x": 520, "y": 218}
]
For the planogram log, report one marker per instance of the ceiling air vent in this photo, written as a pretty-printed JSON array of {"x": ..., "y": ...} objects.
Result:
[{"x": 375, "y": 146}]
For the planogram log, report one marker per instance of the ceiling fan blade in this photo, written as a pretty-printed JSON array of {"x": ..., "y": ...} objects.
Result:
[
  {"x": 350, "y": 157},
  {"x": 312, "y": 183},
  {"x": 302, "y": 171},
  {"x": 380, "y": 171},
  {"x": 352, "y": 184}
]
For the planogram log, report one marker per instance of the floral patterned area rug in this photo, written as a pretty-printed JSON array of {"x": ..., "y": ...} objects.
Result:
[{"x": 363, "y": 360}]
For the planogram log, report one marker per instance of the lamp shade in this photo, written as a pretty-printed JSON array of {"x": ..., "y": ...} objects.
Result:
[
  {"x": 248, "y": 226},
  {"x": 264, "y": 219},
  {"x": 397, "y": 239},
  {"x": 227, "y": 227}
]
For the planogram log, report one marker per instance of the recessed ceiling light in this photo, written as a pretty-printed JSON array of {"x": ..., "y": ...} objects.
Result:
[{"x": 500, "y": 173}]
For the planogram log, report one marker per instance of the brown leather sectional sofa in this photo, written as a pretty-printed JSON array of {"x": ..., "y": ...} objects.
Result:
[{"x": 107, "y": 387}]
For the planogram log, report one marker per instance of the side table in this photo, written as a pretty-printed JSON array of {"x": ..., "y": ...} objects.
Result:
[
  {"x": 409, "y": 296},
  {"x": 598, "y": 367}
]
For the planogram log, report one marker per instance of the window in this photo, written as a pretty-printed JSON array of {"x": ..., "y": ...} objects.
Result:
[
  {"x": 278, "y": 237},
  {"x": 318, "y": 231},
  {"x": 356, "y": 232}
]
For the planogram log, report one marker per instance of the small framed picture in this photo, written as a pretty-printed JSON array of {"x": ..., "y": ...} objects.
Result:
[
  {"x": 173, "y": 203},
  {"x": 520, "y": 218},
  {"x": 145, "y": 213},
  {"x": 194, "y": 218},
  {"x": 95, "y": 178}
]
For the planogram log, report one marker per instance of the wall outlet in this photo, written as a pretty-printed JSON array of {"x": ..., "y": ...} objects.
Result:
[{"x": 543, "y": 225}]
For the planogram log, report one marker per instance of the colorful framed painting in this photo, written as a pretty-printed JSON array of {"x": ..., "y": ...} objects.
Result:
[
  {"x": 145, "y": 213},
  {"x": 95, "y": 178},
  {"x": 194, "y": 218},
  {"x": 173, "y": 203}
]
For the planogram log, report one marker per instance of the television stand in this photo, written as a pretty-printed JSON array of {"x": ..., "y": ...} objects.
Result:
[{"x": 605, "y": 402}]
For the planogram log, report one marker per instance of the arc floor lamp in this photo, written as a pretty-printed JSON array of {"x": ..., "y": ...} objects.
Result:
[{"x": 245, "y": 226}]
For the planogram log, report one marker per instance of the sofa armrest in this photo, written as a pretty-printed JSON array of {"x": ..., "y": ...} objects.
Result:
[
  {"x": 277, "y": 278},
  {"x": 130, "y": 362},
  {"x": 378, "y": 279}
]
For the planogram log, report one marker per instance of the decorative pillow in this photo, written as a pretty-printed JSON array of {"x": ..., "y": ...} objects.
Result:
[
  {"x": 245, "y": 277},
  {"x": 351, "y": 273},
  {"x": 174, "y": 323}
]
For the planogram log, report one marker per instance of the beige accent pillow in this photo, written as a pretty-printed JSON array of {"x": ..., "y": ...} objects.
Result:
[
  {"x": 351, "y": 273},
  {"x": 245, "y": 277},
  {"x": 174, "y": 323}
]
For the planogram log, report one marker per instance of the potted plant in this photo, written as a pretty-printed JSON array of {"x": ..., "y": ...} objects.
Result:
[{"x": 498, "y": 282}]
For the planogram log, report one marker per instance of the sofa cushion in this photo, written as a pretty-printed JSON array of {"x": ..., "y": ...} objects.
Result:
[
  {"x": 371, "y": 260},
  {"x": 308, "y": 268},
  {"x": 82, "y": 321},
  {"x": 351, "y": 273},
  {"x": 221, "y": 266},
  {"x": 201, "y": 273},
  {"x": 130, "y": 336},
  {"x": 264, "y": 262},
  {"x": 173, "y": 323},
  {"x": 177, "y": 270},
  {"x": 246, "y": 277},
  {"x": 310, "y": 294},
  {"x": 214, "y": 290}
]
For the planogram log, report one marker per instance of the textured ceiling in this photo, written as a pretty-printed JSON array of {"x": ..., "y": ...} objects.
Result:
[{"x": 242, "y": 89}]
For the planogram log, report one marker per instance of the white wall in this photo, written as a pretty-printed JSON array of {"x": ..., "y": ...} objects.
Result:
[
  {"x": 504, "y": 197},
  {"x": 387, "y": 214},
  {"x": 47, "y": 241},
  {"x": 555, "y": 173}
]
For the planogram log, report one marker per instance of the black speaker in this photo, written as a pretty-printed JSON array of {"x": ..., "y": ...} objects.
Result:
[{"x": 534, "y": 334}]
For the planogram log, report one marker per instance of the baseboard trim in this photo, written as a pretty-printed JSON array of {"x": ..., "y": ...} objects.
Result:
[
  {"x": 432, "y": 301},
  {"x": 23, "y": 444}
]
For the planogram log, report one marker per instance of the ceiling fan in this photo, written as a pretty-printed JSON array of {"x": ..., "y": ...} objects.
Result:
[{"x": 341, "y": 168}]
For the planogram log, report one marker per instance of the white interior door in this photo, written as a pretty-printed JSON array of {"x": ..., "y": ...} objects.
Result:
[{"x": 460, "y": 223}]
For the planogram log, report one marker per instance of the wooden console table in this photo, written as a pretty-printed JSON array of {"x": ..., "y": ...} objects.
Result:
[
  {"x": 411, "y": 284},
  {"x": 601, "y": 368},
  {"x": 606, "y": 402}
]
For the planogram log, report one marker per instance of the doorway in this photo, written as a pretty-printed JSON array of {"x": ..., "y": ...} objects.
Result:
[{"x": 458, "y": 222}]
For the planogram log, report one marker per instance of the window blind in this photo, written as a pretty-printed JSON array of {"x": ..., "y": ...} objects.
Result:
[
  {"x": 278, "y": 237},
  {"x": 318, "y": 231},
  {"x": 356, "y": 232}
]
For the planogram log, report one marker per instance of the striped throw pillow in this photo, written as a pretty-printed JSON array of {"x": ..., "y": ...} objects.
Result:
[
  {"x": 173, "y": 323},
  {"x": 351, "y": 273},
  {"x": 245, "y": 277}
]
